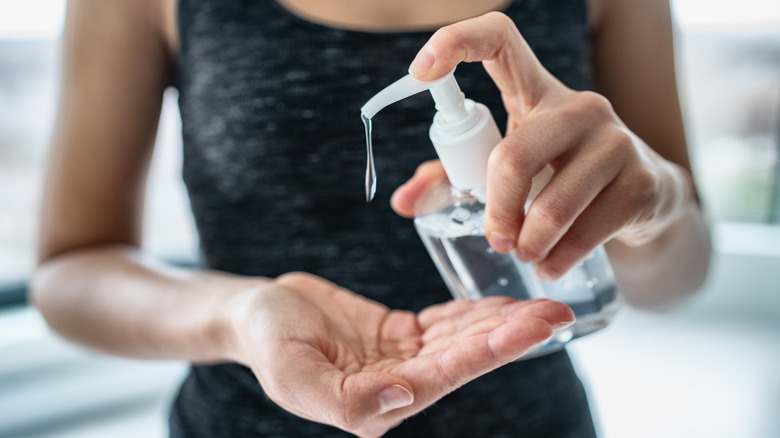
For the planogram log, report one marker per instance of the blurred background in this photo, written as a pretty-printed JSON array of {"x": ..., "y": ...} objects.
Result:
[{"x": 706, "y": 369}]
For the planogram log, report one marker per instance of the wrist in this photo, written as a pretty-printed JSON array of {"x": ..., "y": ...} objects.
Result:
[
  {"x": 231, "y": 317},
  {"x": 675, "y": 192}
]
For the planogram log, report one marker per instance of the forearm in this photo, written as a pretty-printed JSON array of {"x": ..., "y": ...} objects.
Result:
[
  {"x": 660, "y": 273},
  {"x": 117, "y": 300}
]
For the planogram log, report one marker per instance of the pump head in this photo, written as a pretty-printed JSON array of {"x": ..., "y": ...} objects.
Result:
[
  {"x": 445, "y": 91},
  {"x": 463, "y": 132}
]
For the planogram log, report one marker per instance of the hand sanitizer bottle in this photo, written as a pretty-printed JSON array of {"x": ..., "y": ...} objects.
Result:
[{"x": 450, "y": 217}]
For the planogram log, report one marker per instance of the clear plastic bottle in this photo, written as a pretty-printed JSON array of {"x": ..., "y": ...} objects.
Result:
[
  {"x": 452, "y": 227},
  {"x": 450, "y": 218}
]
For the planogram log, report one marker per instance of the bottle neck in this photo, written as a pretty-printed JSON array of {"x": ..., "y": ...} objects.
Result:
[{"x": 477, "y": 194}]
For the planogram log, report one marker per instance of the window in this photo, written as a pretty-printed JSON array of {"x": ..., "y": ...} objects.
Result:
[{"x": 729, "y": 59}]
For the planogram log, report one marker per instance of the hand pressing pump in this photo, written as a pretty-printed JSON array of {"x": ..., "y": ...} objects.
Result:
[{"x": 450, "y": 217}]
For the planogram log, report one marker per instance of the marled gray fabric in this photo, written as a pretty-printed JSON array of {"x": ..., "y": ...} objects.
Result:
[{"x": 274, "y": 156}]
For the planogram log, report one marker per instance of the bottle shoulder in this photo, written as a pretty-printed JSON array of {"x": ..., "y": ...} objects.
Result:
[{"x": 448, "y": 212}]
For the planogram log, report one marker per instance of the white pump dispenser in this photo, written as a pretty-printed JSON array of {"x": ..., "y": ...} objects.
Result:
[
  {"x": 463, "y": 131},
  {"x": 450, "y": 217}
]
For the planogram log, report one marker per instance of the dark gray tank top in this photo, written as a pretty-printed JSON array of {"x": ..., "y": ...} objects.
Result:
[{"x": 274, "y": 156}]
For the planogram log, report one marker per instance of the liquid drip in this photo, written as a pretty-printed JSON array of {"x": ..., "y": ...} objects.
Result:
[{"x": 370, "y": 169}]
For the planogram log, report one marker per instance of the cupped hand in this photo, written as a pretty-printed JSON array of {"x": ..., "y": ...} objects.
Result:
[
  {"x": 334, "y": 357},
  {"x": 605, "y": 182}
]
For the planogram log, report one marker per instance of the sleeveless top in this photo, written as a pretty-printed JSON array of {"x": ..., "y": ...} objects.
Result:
[{"x": 274, "y": 161}]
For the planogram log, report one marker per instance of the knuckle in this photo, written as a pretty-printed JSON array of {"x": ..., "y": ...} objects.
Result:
[
  {"x": 501, "y": 162},
  {"x": 643, "y": 188},
  {"x": 639, "y": 185},
  {"x": 551, "y": 214},
  {"x": 620, "y": 139},
  {"x": 450, "y": 36},
  {"x": 505, "y": 161},
  {"x": 501, "y": 220},
  {"x": 530, "y": 251},
  {"x": 617, "y": 145},
  {"x": 501, "y": 19},
  {"x": 594, "y": 103},
  {"x": 576, "y": 246},
  {"x": 293, "y": 279}
]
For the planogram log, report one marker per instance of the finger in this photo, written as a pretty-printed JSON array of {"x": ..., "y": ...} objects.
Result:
[
  {"x": 456, "y": 323},
  {"x": 513, "y": 165},
  {"x": 442, "y": 341},
  {"x": 451, "y": 309},
  {"x": 448, "y": 330},
  {"x": 555, "y": 313},
  {"x": 438, "y": 372},
  {"x": 367, "y": 395},
  {"x": 460, "y": 362},
  {"x": 579, "y": 180},
  {"x": 493, "y": 38},
  {"x": 603, "y": 218},
  {"x": 406, "y": 196},
  {"x": 400, "y": 335},
  {"x": 433, "y": 314},
  {"x": 560, "y": 134},
  {"x": 481, "y": 326},
  {"x": 527, "y": 326}
]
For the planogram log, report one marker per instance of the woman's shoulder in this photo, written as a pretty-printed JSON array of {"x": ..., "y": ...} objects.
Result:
[{"x": 120, "y": 20}]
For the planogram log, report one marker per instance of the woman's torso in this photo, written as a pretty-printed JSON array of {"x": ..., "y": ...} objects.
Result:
[{"x": 274, "y": 156}]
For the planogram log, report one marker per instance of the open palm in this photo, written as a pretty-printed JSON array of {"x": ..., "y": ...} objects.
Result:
[{"x": 332, "y": 356}]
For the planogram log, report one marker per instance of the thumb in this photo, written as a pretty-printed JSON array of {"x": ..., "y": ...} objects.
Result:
[
  {"x": 367, "y": 395},
  {"x": 406, "y": 196}
]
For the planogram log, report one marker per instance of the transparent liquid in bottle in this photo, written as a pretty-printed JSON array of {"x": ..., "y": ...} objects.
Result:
[{"x": 451, "y": 225}]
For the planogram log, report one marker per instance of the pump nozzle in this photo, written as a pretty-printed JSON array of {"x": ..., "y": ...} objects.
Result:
[
  {"x": 463, "y": 131},
  {"x": 445, "y": 91}
]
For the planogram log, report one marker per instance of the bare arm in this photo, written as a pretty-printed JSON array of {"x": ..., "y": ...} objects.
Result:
[
  {"x": 635, "y": 69},
  {"x": 118, "y": 300},
  {"x": 93, "y": 284}
]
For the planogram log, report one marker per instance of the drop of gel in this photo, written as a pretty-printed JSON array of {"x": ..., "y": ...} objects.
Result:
[
  {"x": 460, "y": 215},
  {"x": 370, "y": 169}
]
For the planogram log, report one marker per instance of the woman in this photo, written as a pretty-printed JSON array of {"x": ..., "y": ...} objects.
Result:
[{"x": 268, "y": 92}]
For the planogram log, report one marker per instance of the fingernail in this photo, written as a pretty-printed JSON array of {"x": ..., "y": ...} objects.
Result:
[
  {"x": 542, "y": 274},
  {"x": 545, "y": 340},
  {"x": 501, "y": 243},
  {"x": 563, "y": 325},
  {"x": 394, "y": 397},
  {"x": 423, "y": 62}
]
